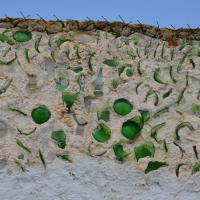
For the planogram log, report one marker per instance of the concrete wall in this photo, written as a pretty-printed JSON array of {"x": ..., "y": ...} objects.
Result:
[{"x": 36, "y": 73}]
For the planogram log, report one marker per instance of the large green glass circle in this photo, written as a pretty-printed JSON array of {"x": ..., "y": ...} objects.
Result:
[
  {"x": 22, "y": 36},
  {"x": 40, "y": 114},
  {"x": 132, "y": 127},
  {"x": 122, "y": 106}
]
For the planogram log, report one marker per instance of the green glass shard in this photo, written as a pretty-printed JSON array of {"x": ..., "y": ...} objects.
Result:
[
  {"x": 111, "y": 62},
  {"x": 26, "y": 53},
  {"x": 178, "y": 168},
  {"x": 120, "y": 154},
  {"x": 144, "y": 150},
  {"x": 60, "y": 137},
  {"x": 155, "y": 129},
  {"x": 37, "y": 43},
  {"x": 65, "y": 157},
  {"x": 166, "y": 94},
  {"x": 102, "y": 133},
  {"x": 129, "y": 72},
  {"x": 132, "y": 127},
  {"x": 196, "y": 109},
  {"x": 135, "y": 40},
  {"x": 154, "y": 165},
  {"x": 61, "y": 40},
  {"x": 69, "y": 99},
  {"x": 20, "y": 165},
  {"x": 115, "y": 83},
  {"x": 104, "y": 113},
  {"x": 161, "y": 111},
  {"x": 80, "y": 78},
  {"x": 180, "y": 96},
  {"x": 139, "y": 69},
  {"x": 77, "y": 69},
  {"x": 121, "y": 69},
  {"x": 171, "y": 74},
  {"x": 196, "y": 168},
  {"x": 5, "y": 38},
  {"x": 145, "y": 115},
  {"x": 42, "y": 158},
  {"x": 154, "y": 93},
  {"x": 157, "y": 77},
  {"x": 19, "y": 143},
  {"x": 183, "y": 125}
]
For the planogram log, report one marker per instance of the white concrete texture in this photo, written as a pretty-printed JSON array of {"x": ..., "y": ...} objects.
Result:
[{"x": 94, "y": 174}]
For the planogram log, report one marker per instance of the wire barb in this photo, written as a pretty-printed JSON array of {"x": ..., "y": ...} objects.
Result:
[
  {"x": 139, "y": 22},
  {"x": 141, "y": 25},
  {"x": 172, "y": 26},
  {"x": 8, "y": 17},
  {"x": 191, "y": 30},
  {"x": 56, "y": 17},
  {"x": 104, "y": 18},
  {"x": 22, "y": 14},
  {"x": 188, "y": 26},
  {"x": 88, "y": 18},
  {"x": 41, "y": 18},
  {"x": 121, "y": 18},
  {"x": 158, "y": 26}
]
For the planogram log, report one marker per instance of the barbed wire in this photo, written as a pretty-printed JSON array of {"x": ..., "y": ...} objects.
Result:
[
  {"x": 172, "y": 26},
  {"x": 105, "y": 19},
  {"x": 41, "y": 18},
  {"x": 22, "y": 14},
  {"x": 158, "y": 26},
  {"x": 121, "y": 19}
]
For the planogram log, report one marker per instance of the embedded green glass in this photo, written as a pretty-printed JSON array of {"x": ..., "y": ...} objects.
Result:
[
  {"x": 120, "y": 154},
  {"x": 104, "y": 113},
  {"x": 144, "y": 150},
  {"x": 122, "y": 106},
  {"x": 129, "y": 72},
  {"x": 69, "y": 99},
  {"x": 40, "y": 114},
  {"x": 145, "y": 115},
  {"x": 102, "y": 133},
  {"x": 22, "y": 36},
  {"x": 5, "y": 38},
  {"x": 60, "y": 138},
  {"x": 111, "y": 62},
  {"x": 132, "y": 127},
  {"x": 196, "y": 168},
  {"x": 154, "y": 165}
]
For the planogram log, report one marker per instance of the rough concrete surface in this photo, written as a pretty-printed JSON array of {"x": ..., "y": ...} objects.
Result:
[
  {"x": 101, "y": 62},
  {"x": 95, "y": 179}
]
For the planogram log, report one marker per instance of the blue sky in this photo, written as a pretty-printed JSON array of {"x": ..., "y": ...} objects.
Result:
[{"x": 179, "y": 13}]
